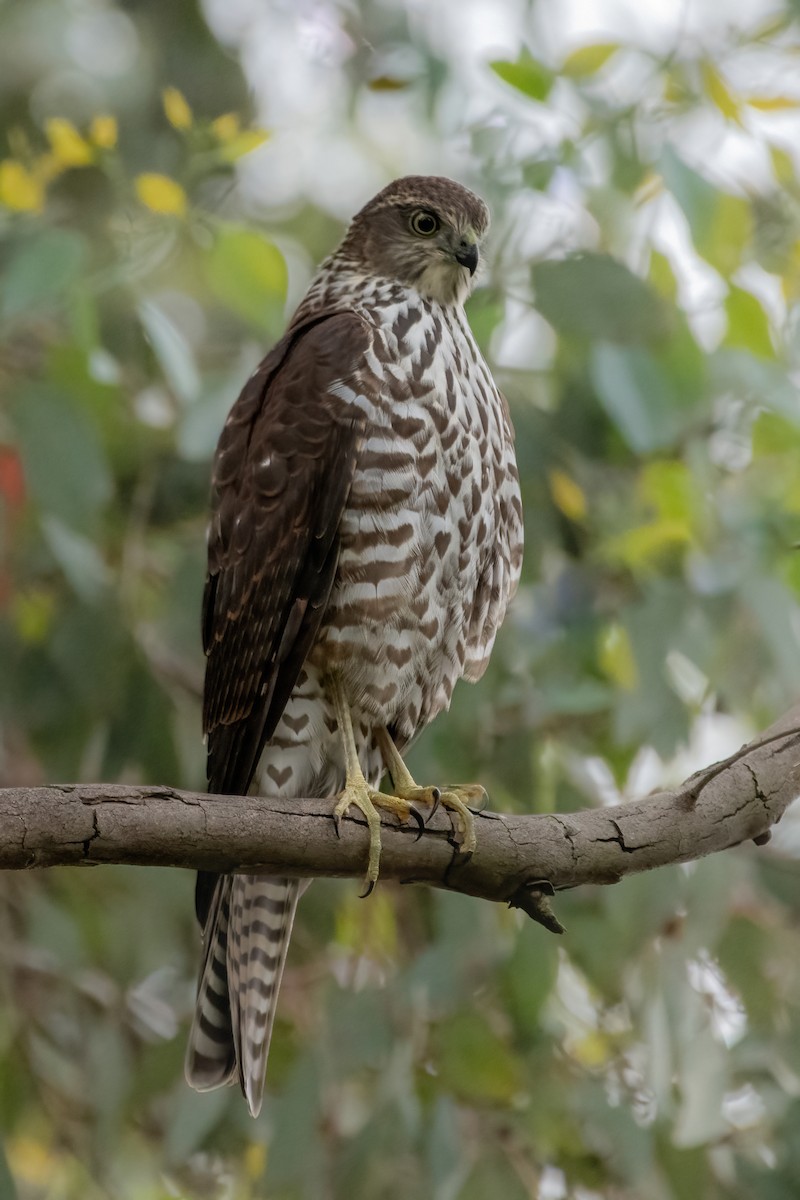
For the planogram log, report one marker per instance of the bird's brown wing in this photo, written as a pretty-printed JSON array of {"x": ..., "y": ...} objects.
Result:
[{"x": 282, "y": 473}]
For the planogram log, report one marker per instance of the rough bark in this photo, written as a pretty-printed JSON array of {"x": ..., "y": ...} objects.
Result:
[{"x": 520, "y": 859}]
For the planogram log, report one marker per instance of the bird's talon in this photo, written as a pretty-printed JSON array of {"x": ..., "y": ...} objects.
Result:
[
  {"x": 417, "y": 816},
  {"x": 437, "y": 799},
  {"x": 368, "y": 890}
]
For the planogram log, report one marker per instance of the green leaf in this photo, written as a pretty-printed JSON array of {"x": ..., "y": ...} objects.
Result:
[
  {"x": 41, "y": 271},
  {"x": 730, "y": 234},
  {"x": 662, "y": 276},
  {"x": 748, "y": 326},
  {"x": 79, "y": 559},
  {"x": 773, "y": 434},
  {"x": 474, "y": 1062},
  {"x": 171, "y": 349},
  {"x": 493, "y": 1176},
  {"x": 695, "y": 195},
  {"x": 635, "y": 395},
  {"x": 248, "y": 273},
  {"x": 7, "y": 1189},
  {"x": 721, "y": 224},
  {"x": 141, "y": 726},
  {"x": 596, "y": 296},
  {"x": 651, "y": 396},
  {"x": 527, "y": 75},
  {"x": 528, "y": 978},
  {"x": 587, "y": 60},
  {"x": 63, "y": 461},
  {"x": 667, "y": 486}
]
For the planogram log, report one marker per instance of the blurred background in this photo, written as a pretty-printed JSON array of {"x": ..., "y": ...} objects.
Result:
[{"x": 169, "y": 176}]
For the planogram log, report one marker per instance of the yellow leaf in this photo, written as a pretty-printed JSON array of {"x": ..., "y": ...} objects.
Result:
[
  {"x": 31, "y": 1161},
  {"x": 243, "y": 143},
  {"x": 255, "y": 1160},
  {"x": 718, "y": 91},
  {"x": 176, "y": 106},
  {"x": 103, "y": 131},
  {"x": 651, "y": 186},
  {"x": 782, "y": 164},
  {"x": 592, "y": 1050},
  {"x": 387, "y": 83},
  {"x": 19, "y": 189},
  {"x": 662, "y": 276},
  {"x": 567, "y": 495},
  {"x": 616, "y": 659},
  {"x": 641, "y": 548},
  {"x": 676, "y": 88},
  {"x": 32, "y": 613},
  {"x": 161, "y": 194},
  {"x": 226, "y": 127},
  {"x": 69, "y": 148},
  {"x": 666, "y": 486},
  {"x": 771, "y": 103},
  {"x": 586, "y": 60}
]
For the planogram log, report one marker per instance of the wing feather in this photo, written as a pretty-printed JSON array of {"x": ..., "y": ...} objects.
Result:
[{"x": 282, "y": 475}]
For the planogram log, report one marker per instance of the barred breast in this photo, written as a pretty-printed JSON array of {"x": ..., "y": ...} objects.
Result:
[{"x": 431, "y": 540}]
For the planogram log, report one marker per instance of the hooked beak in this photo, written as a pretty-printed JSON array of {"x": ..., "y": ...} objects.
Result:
[{"x": 467, "y": 255}]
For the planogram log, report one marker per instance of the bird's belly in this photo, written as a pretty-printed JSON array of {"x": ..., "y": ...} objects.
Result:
[{"x": 394, "y": 627}]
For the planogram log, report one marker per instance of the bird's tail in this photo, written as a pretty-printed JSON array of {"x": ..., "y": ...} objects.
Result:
[{"x": 246, "y": 937}]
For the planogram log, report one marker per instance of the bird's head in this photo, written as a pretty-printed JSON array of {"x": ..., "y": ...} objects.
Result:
[{"x": 423, "y": 230}]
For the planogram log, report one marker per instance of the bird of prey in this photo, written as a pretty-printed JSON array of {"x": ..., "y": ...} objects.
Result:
[{"x": 365, "y": 541}]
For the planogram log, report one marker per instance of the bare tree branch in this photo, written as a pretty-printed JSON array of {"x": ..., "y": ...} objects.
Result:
[{"x": 520, "y": 859}]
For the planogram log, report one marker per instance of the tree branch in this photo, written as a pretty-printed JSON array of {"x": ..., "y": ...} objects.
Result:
[{"x": 519, "y": 859}]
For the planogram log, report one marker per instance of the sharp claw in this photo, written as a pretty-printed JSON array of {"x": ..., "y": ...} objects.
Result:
[
  {"x": 370, "y": 884},
  {"x": 337, "y": 820},
  {"x": 437, "y": 799},
  {"x": 417, "y": 815}
]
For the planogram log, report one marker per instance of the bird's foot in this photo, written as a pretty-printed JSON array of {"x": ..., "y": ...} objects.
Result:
[
  {"x": 358, "y": 794},
  {"x": 463, "y": 800}
]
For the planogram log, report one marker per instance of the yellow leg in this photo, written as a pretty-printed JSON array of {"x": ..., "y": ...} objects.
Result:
[
  {"x": 357, "y": 791},
  {"x": 456, "y": 798}
]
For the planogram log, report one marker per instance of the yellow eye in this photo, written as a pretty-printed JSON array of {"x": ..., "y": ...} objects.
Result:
[{"x": 424, "y": 223}]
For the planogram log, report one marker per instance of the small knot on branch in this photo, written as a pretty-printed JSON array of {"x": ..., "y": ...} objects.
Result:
[{"x": 534, "y": 899}]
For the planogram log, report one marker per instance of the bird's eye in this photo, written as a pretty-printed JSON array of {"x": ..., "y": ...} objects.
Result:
[{"x": 424, "y": 223}]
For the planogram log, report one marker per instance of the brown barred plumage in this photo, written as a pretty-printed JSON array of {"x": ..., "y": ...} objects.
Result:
[{"x": 366, "y": 536}]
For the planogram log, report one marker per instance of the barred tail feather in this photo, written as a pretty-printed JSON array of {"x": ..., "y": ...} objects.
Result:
[
  {"x": 262, "y": 915},
  {"x": 246, "y": 938},
  {"x": 210, "y": 1056}
]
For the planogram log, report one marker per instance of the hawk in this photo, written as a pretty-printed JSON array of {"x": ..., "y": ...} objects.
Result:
[{"x": 365, "y": 541}]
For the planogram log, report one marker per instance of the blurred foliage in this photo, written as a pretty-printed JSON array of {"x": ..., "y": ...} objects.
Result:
[{"x": 641, "y": 311}]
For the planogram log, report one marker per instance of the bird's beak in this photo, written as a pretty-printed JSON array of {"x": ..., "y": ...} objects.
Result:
[{"x": 467, "y": 255}]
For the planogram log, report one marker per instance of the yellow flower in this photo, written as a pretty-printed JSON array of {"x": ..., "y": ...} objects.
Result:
[
  {"x": 177, "y": 108},
  {"x": 226, "y": 127},
  {"x": 567, "y": 495},
  {"x": 103, "y": 131},
  {"x": 243, "y": 143},
  {"x": 161, "y": 194},
  {"x": 19, "y": 189},
  {"x": 616, "y": 657},
  {"x": 69, "y": 148}
]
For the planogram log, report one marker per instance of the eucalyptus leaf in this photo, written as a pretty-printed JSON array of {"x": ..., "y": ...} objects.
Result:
[{"x": 596, "y": 296}]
